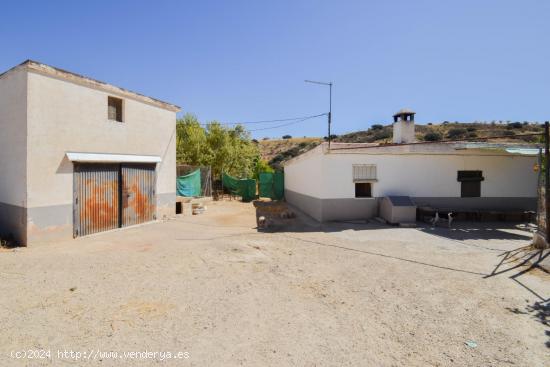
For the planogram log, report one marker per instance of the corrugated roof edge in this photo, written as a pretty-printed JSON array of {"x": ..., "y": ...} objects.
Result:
[{"x": 94, "y": 83}]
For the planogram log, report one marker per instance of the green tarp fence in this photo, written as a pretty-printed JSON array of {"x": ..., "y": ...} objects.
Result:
[
  {"x": 245, "y": 188},
  {"x": 272, "y": 185},
  {"x": 190, "y": 184}
]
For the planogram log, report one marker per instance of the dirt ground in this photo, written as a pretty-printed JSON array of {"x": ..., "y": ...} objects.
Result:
[{"x": 344, "y": 294}]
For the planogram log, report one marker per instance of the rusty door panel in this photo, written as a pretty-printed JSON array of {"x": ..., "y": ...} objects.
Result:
[
  {"x": 96, "y": 198},
  {"x": 138, "y": 183}
]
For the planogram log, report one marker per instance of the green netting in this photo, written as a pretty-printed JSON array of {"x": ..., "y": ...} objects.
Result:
[
  {"x": 272, "y": 185},
  {"x": 278, "y": 185},
  {"x": 266, "y": 184},
  {"x": 190, "y": 184},
  {"x": 245, "y": 188}
]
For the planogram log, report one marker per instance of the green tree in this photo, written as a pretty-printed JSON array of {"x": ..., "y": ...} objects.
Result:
[
  {"x": 191, "y": 146},
  {"x": 225, "y": 149},
  {"x": 261, "y": 167}
]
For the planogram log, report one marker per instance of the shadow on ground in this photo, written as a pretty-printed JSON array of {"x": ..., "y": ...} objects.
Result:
[
  {"x": 460, "y": 231},
  {"x": 511, "y": 263}
]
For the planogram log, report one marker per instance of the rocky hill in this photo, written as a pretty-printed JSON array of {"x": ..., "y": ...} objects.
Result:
[
  {"x": 276, "y": 151},
  {"x": 450, "y": 131}
]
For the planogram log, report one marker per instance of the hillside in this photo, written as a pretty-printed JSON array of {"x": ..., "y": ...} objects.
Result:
[
  {"x": 276, "y": 151},
  {"x": 449, "y": 131}
]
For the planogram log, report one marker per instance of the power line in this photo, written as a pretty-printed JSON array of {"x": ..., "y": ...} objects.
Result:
[
  {"x": 301, "y": 118},
  {"x": 288, "y": 124}
]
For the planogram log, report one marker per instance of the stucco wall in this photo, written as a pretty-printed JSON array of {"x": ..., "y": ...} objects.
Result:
[
  {"x": 418, "y": 175},
  {"x": 305, "y": 174},
  {"x": 13, "y": 137},
  {"x": 13, "y": 153},
  {"x": 322, "y": 184},
  {"x": 64, "y": 116}
]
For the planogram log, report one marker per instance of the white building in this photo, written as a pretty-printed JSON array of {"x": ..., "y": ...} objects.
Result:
[
  {"x": 78, "y": 156},
  {"x": 348, "y": 181}
]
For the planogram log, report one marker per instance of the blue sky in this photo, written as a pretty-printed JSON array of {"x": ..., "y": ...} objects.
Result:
[{"x": 246, "y": 60}]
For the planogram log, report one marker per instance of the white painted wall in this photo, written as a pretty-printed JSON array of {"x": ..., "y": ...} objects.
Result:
[
  {"x": 13, "y": 137},
  {"x": 64, "y": 116},
  {"x": 305, "y": 174},
  {"x": 330, "y": 176}
]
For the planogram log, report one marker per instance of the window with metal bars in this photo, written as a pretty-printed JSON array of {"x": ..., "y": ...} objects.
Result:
[{"x": 364, "y": 173}]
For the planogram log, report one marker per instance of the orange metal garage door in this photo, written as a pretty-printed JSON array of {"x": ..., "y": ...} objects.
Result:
[{"x": 109, "y": 196}]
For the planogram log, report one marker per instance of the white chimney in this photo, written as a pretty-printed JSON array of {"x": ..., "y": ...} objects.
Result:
[{"x": 403, "y": 127}]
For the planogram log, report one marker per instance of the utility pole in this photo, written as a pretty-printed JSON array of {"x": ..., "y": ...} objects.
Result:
[
  {"x": 329, "y": 105},
  {"x": 547, "y": 179}
]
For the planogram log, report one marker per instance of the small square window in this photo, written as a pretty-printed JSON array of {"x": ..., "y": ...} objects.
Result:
[
  {"x": 363, "y": 190},
  {"x": 114, "y": 109}
]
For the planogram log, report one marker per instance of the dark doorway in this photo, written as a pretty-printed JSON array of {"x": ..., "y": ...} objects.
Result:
[{"x": 363, "y": 190}]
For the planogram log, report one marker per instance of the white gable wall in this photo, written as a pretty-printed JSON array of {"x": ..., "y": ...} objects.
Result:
[
  {"x": 305, "y": 175},
  {"x": 75, "y": 118},
  {"x": 64, "y": 116}
]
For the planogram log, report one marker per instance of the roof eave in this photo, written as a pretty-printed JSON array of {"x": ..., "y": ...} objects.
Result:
[{"x": 47, "y": 70}]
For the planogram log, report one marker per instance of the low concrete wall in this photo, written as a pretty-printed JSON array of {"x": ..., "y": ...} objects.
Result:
[
  {"x": 324, "y": 210},
  {"x": 308, "y": 204},
  {"x": 349, "y": 209},
  {"x": 13, "y": 222}
]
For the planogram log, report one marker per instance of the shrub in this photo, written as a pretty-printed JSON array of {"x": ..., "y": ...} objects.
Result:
[
  {"x": 514, "y": 125},
  {"x": 382, "y": 134},
  {"x": 470, "y": 129},
  {"x": 472, "y": 134},
  {"x": 456, "y": 132},
  {"x": 287, "y": 136},
  {"x": 432, "y": 136},
  {"x": 377, "y": 127}
]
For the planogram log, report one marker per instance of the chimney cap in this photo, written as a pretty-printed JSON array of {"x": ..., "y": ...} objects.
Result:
[{"x": 404, "y": 111}]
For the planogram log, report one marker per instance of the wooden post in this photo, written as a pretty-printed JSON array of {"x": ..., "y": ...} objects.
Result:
[{"x": 547, "y": 179}]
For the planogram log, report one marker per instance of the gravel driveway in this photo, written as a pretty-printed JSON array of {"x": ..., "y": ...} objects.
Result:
[{"x": 214, "y": 287}]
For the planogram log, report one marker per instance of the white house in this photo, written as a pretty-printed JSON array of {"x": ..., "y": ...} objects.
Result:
[
  {"x": 79, "y": 156},
  {"x": 348, "y": 181}
]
